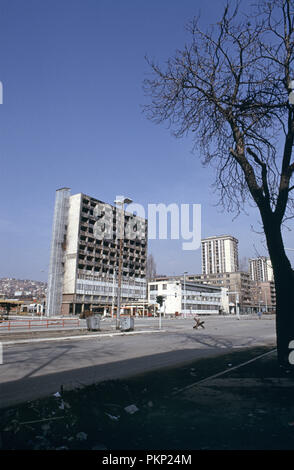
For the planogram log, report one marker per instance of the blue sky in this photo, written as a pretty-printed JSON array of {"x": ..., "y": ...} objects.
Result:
[{"x": 72, "y": 74}]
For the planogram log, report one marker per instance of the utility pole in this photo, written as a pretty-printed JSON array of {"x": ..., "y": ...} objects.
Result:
[
  {"x": 186, "y": 272},
  {"x": 113, "y": 290},
  {"x": 120, "y": 201}
]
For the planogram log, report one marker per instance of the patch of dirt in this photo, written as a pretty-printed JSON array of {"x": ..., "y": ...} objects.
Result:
[{"x": 250, "y": 407}]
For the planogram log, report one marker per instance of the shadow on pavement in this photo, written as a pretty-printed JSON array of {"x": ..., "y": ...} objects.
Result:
[{"x": 250, "y": 407}]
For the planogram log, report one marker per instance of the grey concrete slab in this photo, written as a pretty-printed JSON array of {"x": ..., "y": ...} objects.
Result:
[{"x": 34, "y": 370}]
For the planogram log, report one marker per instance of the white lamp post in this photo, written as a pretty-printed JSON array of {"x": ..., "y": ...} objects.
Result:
[
  {"x": 120, "y": 202},
  {"x": 186, "y": 272},
  {"x": 113, "y": 290}
]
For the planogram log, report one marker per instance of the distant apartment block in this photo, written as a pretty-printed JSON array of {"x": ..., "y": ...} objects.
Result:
[
  {"x": 263, "y": 286},
  {"x": 219, "y": 254},
  {"x": 261, "y": 269},
  {"x": 85, "y": 255},
  {"x": 263, "y": 295}
]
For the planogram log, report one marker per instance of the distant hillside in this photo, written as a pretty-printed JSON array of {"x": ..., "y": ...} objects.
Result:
[{"x": 16, "y": 288}]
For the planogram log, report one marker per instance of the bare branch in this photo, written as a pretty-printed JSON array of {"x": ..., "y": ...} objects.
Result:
[{"x": 229, "y": 86}]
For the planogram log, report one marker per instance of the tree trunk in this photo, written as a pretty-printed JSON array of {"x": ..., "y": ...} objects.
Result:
[
  {"x": 284, "y": 315},
  {"x": 284, "y": 284}
]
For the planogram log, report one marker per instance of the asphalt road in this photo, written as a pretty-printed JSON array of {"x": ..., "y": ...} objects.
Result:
[{"x": 34, "y": 370}]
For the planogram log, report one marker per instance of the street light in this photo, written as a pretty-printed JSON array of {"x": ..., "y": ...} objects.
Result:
[
  {"x": 120, "y": 201},
  {"x": 186, "y": 272},
  {"x": 113, "y": 290}
]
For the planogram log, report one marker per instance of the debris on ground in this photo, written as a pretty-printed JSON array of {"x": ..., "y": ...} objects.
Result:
[
  {"x": 131, "y": 409},
  {"x": 251, "y": 407},
  {"x": 112, "y": 417}
]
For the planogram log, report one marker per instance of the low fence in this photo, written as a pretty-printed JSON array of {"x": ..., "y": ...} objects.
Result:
[{"x": 29, "y": 324}]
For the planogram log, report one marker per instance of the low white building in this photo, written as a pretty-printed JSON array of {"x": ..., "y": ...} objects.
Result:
[
  {"x": 186, "y": 298},
  {"x": 32, "y": 307}
]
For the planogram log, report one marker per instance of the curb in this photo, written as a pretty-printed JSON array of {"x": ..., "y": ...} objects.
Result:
[
  {"x": 103, "y": 335},
  {"x": 219, "y": 374}
]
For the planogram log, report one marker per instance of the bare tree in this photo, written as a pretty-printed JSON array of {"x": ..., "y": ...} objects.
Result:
[
  {"x": 243, "y": 264},
  {"x": 150, "y": 268},
  {"x": 229, "y": 87}
]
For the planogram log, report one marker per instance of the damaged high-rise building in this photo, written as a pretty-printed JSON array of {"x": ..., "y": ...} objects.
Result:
[{"x": 90, "y": 251}]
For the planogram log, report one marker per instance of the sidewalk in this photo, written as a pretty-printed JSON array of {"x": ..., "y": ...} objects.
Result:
[
  {"x": 189, "y": 408},
  {"x": 72, "y": 335},
  {"x": 65, "y": 333}
]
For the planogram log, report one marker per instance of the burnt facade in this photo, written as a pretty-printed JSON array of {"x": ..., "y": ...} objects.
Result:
[{"x": 91, "y": 254}]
